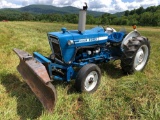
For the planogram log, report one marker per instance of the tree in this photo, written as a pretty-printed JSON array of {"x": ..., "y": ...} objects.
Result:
[
  {"x": 105, "y": 19},
  {"x": 140, "y": 10},
  {"x": 91, "y": 19},
  {"x": 151, "y": 9},
  {"x": 146, "y": 19},
  {"x": 132, "y": 12},
  {"x": 124, "y": 21},
  {"x": 126, "y": 13},
  {"x": 116, "y": 21},
  {"x": 156, "y": 18},
  {"x": 27, "y": 16}
]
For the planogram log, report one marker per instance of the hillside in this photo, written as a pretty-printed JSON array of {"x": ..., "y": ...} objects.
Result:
[
  {"x": 48, "y": 9},
  {"x": 46, "y": 13},
  {"x": 119, "y": 14}
]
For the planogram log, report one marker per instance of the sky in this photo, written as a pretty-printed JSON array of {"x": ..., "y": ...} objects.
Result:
[{"x": 109, "y": 6}]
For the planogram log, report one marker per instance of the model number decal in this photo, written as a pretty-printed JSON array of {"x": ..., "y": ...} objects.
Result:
[{"x": 91, "y": 39}]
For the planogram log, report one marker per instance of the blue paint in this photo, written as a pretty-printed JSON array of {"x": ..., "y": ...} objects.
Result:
[
  {"x": 116, "y": 37},
  {"x": 70, "y": 73},
  {"x": 41, "y": 58},
  {"x": 58, "y": 78},
  {"x": 73, "y": 49}
]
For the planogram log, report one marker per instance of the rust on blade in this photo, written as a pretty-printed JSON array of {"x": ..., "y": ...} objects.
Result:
[
  {"x": 36, "y": 76},
  {"x": 37, "y": 67}
]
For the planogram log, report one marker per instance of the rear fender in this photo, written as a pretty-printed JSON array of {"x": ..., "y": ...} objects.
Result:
[{"x": 128, "y": 37}]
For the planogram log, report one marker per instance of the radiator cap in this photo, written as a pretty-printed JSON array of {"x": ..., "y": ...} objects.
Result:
[{"x": 64, "y": 29}]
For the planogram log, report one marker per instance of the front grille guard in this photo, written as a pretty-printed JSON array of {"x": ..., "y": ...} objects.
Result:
[{"x": 55, "y": 46}]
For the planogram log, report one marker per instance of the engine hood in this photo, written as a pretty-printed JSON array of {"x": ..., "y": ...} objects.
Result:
[
  {"x": 75, "y": 35},
  {"x": 90, "y": 37}
]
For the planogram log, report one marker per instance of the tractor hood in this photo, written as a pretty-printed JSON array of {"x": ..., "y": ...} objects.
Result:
[
  {"x": 68, "y": 41},
  {"x": 75, "y": 35}
]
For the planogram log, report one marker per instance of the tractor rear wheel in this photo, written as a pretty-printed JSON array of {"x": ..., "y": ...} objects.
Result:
[
  {"x": 88, "y": 78},
  {"x": 135, "y": 55}
]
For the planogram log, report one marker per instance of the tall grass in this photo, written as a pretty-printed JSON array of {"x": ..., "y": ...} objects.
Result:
[{"x": 119, "y": 96}]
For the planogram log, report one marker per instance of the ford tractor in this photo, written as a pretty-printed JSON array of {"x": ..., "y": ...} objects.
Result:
[{"x": 76, "y": 55}]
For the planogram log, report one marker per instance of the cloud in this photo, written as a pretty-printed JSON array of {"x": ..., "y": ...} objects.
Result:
[
  {"x": 119, "y": 5},
  {"x": 100, "y": 4},
  {"x": 25, "y": 3},
  {"x": 110, "y": 6},
  {"x": 48, "y": 2},
  {"x": 6, "y": 4}
]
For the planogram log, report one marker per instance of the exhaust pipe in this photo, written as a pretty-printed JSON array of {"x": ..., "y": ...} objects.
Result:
[{"x": 82, "y": 21}]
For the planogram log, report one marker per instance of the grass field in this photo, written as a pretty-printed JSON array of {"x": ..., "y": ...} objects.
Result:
[{"x": 118, "y": 97}]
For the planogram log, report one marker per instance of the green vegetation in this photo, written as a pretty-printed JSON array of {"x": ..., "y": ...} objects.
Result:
[
  {"x": 49, "y": 9},
  {"x": 119, "y": 96},
  {"x": 47, "y": 13}
]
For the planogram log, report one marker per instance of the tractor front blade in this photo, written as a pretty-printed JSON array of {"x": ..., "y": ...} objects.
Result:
[{"x": 36, "y": 76}]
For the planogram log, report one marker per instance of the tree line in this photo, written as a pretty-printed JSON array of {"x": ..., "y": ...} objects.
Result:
[{"x": 144, "y": 17}]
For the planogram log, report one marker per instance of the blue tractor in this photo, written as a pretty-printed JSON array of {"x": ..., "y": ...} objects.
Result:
[{"x": 75, "y": 55}]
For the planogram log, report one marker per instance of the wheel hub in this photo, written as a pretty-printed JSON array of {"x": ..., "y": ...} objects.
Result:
[
  {"x": 141, "y": 58},
  {"x": 91, "y": 80}
]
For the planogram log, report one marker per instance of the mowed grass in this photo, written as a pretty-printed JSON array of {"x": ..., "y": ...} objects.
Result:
[{"x": 118, "y": 97}]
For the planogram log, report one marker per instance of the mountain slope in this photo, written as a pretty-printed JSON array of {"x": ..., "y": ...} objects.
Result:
[{"x": 48, "y": 9}]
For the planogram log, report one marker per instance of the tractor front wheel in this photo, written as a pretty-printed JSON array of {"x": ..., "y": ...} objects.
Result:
[
  {"x": 135, "y": 55},
  {"x": 88, "y": 78}
]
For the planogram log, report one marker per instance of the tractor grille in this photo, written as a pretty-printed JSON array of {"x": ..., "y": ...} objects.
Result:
[{"x": 55, "y": 47}]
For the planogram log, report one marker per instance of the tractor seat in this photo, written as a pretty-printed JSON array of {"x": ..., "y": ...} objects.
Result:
[{"x": 116, "y": 37}]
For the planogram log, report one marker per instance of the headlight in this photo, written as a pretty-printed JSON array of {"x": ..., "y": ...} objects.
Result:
[{"x": 70, "y": 42}]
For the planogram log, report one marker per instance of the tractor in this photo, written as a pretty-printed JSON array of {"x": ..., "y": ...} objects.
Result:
[{"x": 76, "y": 55}]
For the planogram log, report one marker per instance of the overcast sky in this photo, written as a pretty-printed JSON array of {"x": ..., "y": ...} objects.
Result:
[{"x": 110, "y": 6}]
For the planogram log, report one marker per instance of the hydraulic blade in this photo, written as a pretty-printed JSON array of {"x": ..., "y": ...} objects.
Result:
[{"x": 36, "y": 76}]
